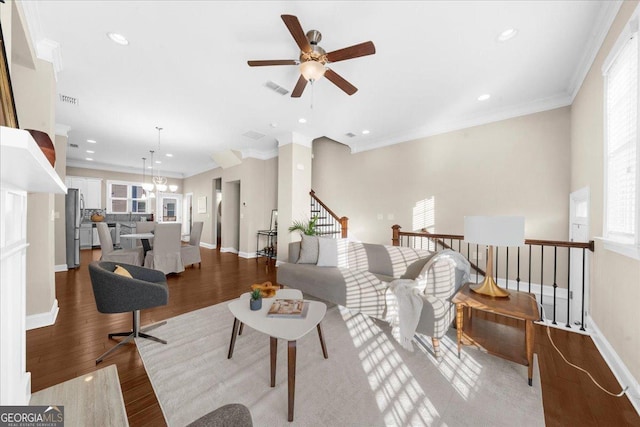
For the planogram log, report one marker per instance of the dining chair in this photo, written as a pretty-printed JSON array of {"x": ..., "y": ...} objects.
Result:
[
  {"x": 145, "y": 227},
  {"x": 191, "y": 253},
  {"x": 133, "y": 256},
  {"x": 165, "y": 255}
]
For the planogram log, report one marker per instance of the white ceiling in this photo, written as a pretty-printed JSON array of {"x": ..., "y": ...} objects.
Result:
[{"x": 186, "y": 70}]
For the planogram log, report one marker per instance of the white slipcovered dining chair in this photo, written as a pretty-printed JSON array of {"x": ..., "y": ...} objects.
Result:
[
  {"x": 191, "y": 253},
  {"x": 165, "y": 255},
  {"x": 145, "y": 227},
  {"x": 133, "y": 256}
]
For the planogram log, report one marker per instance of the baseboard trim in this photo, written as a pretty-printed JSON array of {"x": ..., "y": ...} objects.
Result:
[
  {"x": 247, "y": 255},
  {"x": 207, "y": 245},
  {"x": 60, "y": 267},
  {"x": 617, "y": 366},
  {"x": 231, "y": 250},
  {"x": 40, "y": 320}
]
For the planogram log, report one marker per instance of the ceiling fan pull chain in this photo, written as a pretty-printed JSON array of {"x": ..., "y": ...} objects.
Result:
[{"x": 312, "y": 92}]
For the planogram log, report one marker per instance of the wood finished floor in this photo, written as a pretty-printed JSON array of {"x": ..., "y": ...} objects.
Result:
[{"x": 68, "y": 349}]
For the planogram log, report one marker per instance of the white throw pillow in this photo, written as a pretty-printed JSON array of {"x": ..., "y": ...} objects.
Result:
[
  {"x": 327, "y": 252},
  {"x": 308, "y": 250}
]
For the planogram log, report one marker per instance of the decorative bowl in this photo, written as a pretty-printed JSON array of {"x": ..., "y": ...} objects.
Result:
[{"x": 97, "y": 218}]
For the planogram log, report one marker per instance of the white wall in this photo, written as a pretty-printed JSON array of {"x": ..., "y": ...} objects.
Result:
[
  {"x": 615, "y": 279},
  {"x": 519, "y": 166}
]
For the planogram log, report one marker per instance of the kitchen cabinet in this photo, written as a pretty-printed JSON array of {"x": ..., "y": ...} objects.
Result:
[
  {"x": 86, "y": 236},
  {"x": 90, "y": 190}
]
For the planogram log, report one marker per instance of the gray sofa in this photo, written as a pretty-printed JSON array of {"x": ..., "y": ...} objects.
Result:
[{"x": 360, "y": 282}]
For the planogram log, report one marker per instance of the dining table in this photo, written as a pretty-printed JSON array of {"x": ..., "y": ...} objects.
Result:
[{"x": 143, "y": 237}]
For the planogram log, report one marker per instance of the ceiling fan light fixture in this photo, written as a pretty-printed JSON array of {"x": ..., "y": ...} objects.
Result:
[{"x": 312, "y": 70}]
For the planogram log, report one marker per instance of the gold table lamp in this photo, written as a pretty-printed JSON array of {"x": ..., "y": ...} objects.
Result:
[{"x": 493, "y": 231}]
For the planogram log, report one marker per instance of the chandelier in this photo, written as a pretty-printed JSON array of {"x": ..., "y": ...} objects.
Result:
[
  {"x": 159, "y": 180},
  {"x": 144, "y": 190}
]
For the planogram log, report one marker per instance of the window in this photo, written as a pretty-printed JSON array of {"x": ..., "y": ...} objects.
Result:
[
  {"x": 125, "y": 197},
  {"x": 621, "y": 145}
]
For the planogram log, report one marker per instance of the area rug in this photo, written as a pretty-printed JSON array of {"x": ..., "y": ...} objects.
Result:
[{"x": 368, "y": 380}]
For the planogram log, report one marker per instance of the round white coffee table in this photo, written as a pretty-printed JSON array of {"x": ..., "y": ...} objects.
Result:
[{"x": 278, "y": 328}]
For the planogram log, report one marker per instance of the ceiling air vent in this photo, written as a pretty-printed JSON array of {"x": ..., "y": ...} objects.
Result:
[
  {"x": 69, "y": 99},
  {"x": 253, "y": 135},
  {"x": 276, "y": 88},
  {"x": 350, "y": 134}
]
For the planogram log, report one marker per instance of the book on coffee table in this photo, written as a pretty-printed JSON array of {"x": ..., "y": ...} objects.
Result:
[{"x": 288, "y": 308}]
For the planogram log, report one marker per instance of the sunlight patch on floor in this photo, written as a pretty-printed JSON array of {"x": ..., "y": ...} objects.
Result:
[
  {"x": 400, "y": 398},
  {"x": 463, "y": 373}
]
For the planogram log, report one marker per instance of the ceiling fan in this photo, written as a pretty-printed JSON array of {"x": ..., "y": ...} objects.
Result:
[{"x": 313, "y": 59}]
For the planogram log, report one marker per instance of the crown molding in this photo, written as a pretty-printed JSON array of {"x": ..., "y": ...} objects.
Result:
[
  {"x": 609, "y": 11},
  {"x": 464, "y": 123},
  {"x": 294, "y": 138},
  {"x": 75, "y": 163},
  {"x": 46, "y": 49},
  {"x": 260, "y": 155},
  {"x": 62, "y": 130}
]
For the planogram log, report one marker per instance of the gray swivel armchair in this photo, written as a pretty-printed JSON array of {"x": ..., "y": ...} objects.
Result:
[
  {"x": 133, "y": 256},
  {"x": 115, "y": 293},
  {"x": 230, "y": 415},
  {"x": 191, "y": 253}
]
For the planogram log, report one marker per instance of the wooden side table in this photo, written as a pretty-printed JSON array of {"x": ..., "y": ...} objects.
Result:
[{"x": 519, "y": 305}]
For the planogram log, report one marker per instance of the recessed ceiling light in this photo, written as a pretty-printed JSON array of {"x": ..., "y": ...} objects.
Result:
[
  {"x": 149, "y": 167},
  {"x": 90, "y": 151},
  {"x": 507, "y": 34},
  {"x": 91, "y": 141},
  {"x": 273, "y": 125},
  {"x": 89, "y": 159},
  {"x": 484, "y": 97},
  {"x": 169, "y": 155},
  {"x": 302, "y": 120},
  {"x": 365, "y": 132},
  {"x": 158, "y": 162},
  {"x": 118, "y": 38}
]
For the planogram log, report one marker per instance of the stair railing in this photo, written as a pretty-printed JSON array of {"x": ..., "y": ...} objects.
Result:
[
  {"x": 328, "y": 222},
  {"x": 539, "y": 267}
]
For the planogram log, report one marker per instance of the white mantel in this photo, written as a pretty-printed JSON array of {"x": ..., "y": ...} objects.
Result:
[{"x": 24, "y": 169}]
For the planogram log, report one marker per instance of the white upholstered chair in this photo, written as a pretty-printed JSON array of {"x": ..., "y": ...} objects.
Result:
[
  {"x": 165, "y": 255},
  {"x": 145, "y": 227},
  {"x": 133, "y": 256},
  {"x": 191, "y": 253}
]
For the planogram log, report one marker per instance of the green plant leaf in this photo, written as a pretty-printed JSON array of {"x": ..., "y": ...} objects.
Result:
[{"x": 308, "y": 228}]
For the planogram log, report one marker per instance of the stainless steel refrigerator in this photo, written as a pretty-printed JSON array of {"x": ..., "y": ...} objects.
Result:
[{"x": 74, "y": 207}]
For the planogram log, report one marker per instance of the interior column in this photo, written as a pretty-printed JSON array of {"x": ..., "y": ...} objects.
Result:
[{"x": 294, "y": 184}]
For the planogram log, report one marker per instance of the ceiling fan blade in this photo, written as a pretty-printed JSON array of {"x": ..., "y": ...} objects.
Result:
[
  {"x": 297, "y": 91},
  {"x": 272, "y": 62},
  {"x": 337, "y": 80},
  {"x": 297, "y": 32},
  {"x": 355, "y": 51}
]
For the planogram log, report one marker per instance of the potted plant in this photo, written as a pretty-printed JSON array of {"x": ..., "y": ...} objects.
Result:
[
  {"x": 255, "y": 303},
  {"x": 308, "y": 228}
]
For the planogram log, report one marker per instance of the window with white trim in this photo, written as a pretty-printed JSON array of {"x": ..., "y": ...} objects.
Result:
[
  {"x": 621, "y": 179},
  {"x": 126, "y": 197}
]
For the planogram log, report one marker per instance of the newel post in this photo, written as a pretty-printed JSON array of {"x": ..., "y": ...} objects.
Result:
[
  {"x": 344, "y": 225},
  {"x": 395, "y": 240}
]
